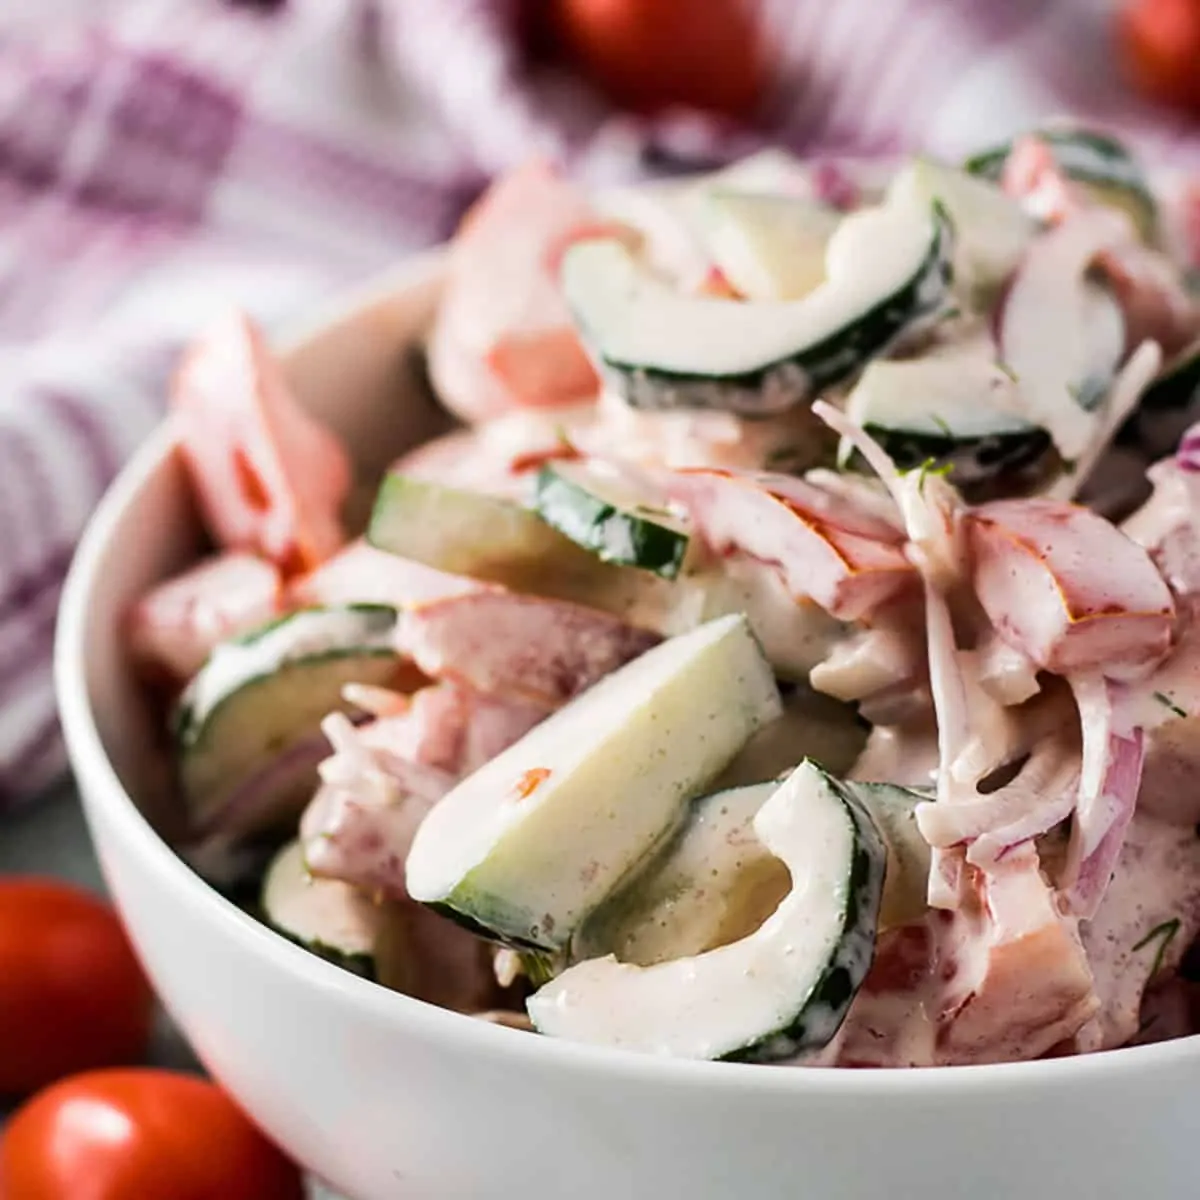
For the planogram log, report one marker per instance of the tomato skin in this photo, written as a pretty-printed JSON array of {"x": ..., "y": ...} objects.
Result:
[
  {"x": 648, "y": 55},
  {"x": 72, "y": 993},
  {"x": 140, "y": 1134},
  {"x": 1159, "y": 42}
]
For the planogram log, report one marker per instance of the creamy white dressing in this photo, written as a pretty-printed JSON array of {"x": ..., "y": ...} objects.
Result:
[{"x": 1063, "y": 336}]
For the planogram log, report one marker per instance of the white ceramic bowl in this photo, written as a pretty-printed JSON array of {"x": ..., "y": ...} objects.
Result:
[{"x": 387, "y": 1097}]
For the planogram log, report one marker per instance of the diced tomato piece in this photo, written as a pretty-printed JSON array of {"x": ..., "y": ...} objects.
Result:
[
  {"x": 268, "y": 477},
  {"x": 503, "y": 337},
  {"x": 716, "y": 283},
  {"x": 174, "y": 627}
]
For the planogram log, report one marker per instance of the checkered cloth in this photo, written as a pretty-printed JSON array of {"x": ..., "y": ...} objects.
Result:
[{"x": 160, "y": 159}]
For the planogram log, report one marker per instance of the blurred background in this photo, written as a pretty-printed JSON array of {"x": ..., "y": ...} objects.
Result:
[{"x": 161, "y": 160}]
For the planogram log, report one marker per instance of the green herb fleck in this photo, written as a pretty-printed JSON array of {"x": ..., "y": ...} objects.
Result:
[
  {"x": 1165, "y": 934},
  {"x": 651, "y": 510},
  {"x": 1001, "y": 365},
  {"x": 926, "y": 469},
  {"x": 1167, "y": 702},
  {"x": 941, "y": 424},
  {"x": 951, "y": 313}
]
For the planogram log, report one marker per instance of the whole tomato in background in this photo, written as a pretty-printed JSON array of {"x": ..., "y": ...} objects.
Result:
[
  {"x": 648, "y": 55},
  {"x": 1159, "y": 44},
  {"x": 72, "y": 994},
  {"x": 140, "y": 1134}
]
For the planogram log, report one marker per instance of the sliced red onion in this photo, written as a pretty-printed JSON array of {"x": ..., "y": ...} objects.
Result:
[
  {"x": 1110, "y": 777},
  {"x": 834, "y": 185},
  {"x": 360, "y": 824},
  {"x": 1067, "y": 588},
  {"x": 1041, "y": 795},
  {"x": 1187, "y": 456},
  {"x": 846, "y": 572}
]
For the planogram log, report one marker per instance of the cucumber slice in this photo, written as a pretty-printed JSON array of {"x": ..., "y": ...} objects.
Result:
[
  {"x": 598, "y": 507},
  {"x": 1063, "y": 337},
  {"x": 497, "y": 541},
  {"x": 714, "y": 883},
  {"x": 328, "y": 917},
  {"x": 992, "y": 232},
  {"x": 894, "y": 809},
  {"x": 887, "y": 270},
  {"x": 1098, "y": 161},
  {"x": 810, "y": 726},
  {"x": 768, "y": 247},
  {"x": 779, "y": 991},
  {"x": 462, "y": 532},
  {"x": 955, "y": 411},
  {"x": 259, "y": 699},
  {"x": 532, "y": 842}
]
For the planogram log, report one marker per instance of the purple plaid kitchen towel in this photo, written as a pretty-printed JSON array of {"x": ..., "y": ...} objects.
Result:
[{"x": 160, "y": 159}]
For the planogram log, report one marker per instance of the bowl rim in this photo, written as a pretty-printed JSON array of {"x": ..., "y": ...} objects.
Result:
[{"x": 106, "y": 793}]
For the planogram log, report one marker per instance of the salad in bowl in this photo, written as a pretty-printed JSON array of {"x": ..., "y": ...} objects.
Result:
[{"x": 789, "y": 655}]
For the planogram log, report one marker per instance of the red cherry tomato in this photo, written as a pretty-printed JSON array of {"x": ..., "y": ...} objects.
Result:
[
  {"x": 1159, "y": 41},
  {"x": 649, "y": 55},
  {"x": 140, "y": 1134},
  {"x": 72, "y": 995}
]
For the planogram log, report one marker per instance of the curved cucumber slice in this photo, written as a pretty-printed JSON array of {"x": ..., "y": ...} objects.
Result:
[
  {"x": 769, "y": 247},
  {"x": 716, "y": 882},
  {"x": 713, "y": 884},
  {"x": 886, "y": 269},
  {"x": 894, "y": 809},
  {"x": 992, "y": 232},
  {"x": 599, "y": 508},
  {"x": 326, "y": 916},
  {"x": 259, "y": 697},
  {"x": 955, "y": 411},
  {"x": 1098, "y": 161},
  {"x": 532, "y": 842},
  {"x": 781, "y": 990}
]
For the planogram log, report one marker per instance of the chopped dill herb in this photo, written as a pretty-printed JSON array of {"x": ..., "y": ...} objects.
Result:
[
  {"x": 941, "y": 424},
  {"x": 926, "y": 469},
  {"x": 1001, "y": 365},
  {"x": 1167, "y": 702},
  {"x": 1165, "y": 934}
]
